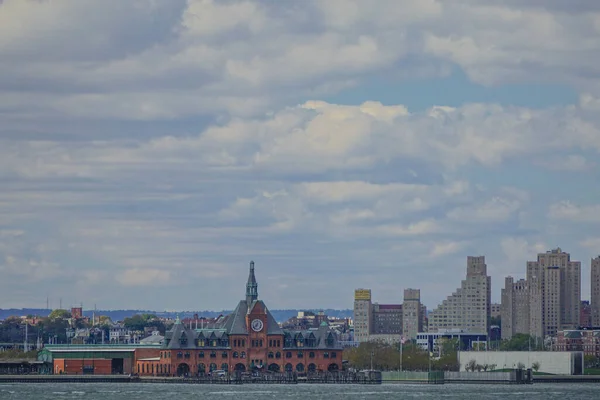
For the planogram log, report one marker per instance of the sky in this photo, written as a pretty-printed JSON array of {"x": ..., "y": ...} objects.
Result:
[{"x": 150, "y": 149}]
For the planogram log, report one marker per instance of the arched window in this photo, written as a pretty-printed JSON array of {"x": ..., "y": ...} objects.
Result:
[
  {"x": 187, "y": 354},
  {"x": 243, "y": 355},
  {"x": 179, "y": 355},
  {"x": 333, "y": 354},
  {"x": 201, "y": 354},
  {"x": 270, "y": 355},
  {"x": 289, "y": 367},
  {"x": 235, "y": 354},
  {"x": 300, "y": 367},
  {"x": 311, "y": 354},
  {"x": 278, "y": 355},
  {"x": 300, "y": 354},
  {"x": 213, "y": 354},
  {"x": 288, "y": 354},
  {"x": 225, "y": 367},
  {"x": 213, "y": 367},
  {"x": 224, "y": 354}
]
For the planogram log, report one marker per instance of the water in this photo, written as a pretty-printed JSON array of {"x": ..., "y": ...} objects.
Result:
[{"x": 109, "y": 391}]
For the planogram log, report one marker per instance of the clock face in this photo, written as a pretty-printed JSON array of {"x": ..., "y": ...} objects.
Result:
[{"x": 257, "y": 325}]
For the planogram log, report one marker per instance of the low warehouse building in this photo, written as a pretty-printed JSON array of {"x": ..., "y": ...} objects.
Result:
[{"x": 107, "y": 359}]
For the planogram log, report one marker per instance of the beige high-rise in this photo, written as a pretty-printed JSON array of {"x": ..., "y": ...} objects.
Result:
[
  {"x": 555, "y": 293},
  {"x": 362, "y": 315},
  {"x": 467, "y": 309},
  {"x": 514, "y": 309},
  {"x": 411, "y": 313},
  {"x": 595, "y": 291}
]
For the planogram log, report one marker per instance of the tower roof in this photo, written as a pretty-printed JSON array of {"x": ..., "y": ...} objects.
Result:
[{"x": 251, "y": 286}]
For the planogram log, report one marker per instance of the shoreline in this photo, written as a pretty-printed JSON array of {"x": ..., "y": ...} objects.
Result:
[{"x": 174, "y": 380}]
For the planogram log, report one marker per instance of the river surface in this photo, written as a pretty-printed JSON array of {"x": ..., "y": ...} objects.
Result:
[{"x": 108, "y": 391}]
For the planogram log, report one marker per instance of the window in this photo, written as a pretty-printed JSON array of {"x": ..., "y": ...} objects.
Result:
[
  {"x": 300, "y": 354},
  {"x": 326, "y": 355},
  {"x": 278, "y": 355},
  {"x": 213, "y": 354},
  {"x": 180, "y": 355},
  {"x": 235, "y": 354},
  {"x": 288, "y": 354},
  {"x": 333, "y": 354},
  {"x": 243, "y": 355},
  {"x": 201, "y": 354},
  {"x": 311, "y": 354},
  {"x": 187, "y": 354},
  {"x": 270, "y": 355},
  {"x": 224, "y": 354}
]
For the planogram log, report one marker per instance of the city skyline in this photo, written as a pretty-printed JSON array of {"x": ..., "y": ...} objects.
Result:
[{"x": 150, "y": 150}]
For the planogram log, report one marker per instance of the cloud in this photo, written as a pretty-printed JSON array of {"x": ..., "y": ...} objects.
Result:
[
  {"x": 572, "y": 163},
  {"x": 143, "y": 277},
  {"x": 216, "y": 132},
  {"x": 568, "y": 211}
]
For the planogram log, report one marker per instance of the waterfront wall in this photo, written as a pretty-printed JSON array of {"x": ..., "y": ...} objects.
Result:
[
  {"x": 413, "y": 376},
  {"x": 479, "y": 376},
  {"x": 552, "y": 362}
]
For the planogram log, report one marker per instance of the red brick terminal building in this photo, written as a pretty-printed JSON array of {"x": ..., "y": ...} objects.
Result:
[{"x": 247, "y": 339}]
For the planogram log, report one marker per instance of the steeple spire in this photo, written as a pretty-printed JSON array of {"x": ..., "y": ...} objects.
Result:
[{"x": 251, "y": 286}]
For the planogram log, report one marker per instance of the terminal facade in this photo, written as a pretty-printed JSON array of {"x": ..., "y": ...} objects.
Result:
[{"x": 248, "y": 339}]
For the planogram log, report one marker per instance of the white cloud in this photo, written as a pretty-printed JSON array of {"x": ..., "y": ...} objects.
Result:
[
  {"x": 143, "y": 277},
  {"x": 566, "y": 210},
  {"x": 174, "y": 152}
]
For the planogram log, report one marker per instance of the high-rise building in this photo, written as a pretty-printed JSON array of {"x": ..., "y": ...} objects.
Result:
[
  {"x": 585, "y": 318},
  {"x": 595, "y": 291},
  {"x": 362, "y": 314},
  {"x": 514, "y": 307},
  {"x": 467, "y": 309},
  {"x": 495, "y": 310},
  {"x": 386, "y": 319},
  {"x": 412, "y": 321},
  {"x": 555, "y": 293}
]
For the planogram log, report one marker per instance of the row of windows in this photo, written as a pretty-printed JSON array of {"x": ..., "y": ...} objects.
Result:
[
  {"x": 149, "y": 369},
  {"x": 235, "y": 354}
]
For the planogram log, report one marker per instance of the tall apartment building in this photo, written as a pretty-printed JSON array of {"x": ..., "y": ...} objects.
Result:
[
  {"x": 555, "y": 293},
  {"x": 595, "y": 291},
  {"x": 514, "y": 307},
  {"x": 412, "y": 320},
  {"x": 467, "y": 309},
  {"x": 362, "y": 315}
]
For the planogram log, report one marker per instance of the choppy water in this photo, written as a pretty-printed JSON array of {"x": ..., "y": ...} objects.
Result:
[{"x": 109, "y": 391}]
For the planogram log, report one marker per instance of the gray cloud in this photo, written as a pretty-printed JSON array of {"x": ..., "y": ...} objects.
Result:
[{"x": 149, "y": 144}]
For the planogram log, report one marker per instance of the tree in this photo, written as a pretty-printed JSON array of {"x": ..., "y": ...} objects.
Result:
[
  {"x": 522, "y": 342},
  {"x": 590, "y": 361},
  {"x": 492, "y": 367},
  {"x": 535, "y": 366},
  {"x": 59, "y": 314},
  {"x": 520, "y": 365},
  {"x": 471, "y": 366}
]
